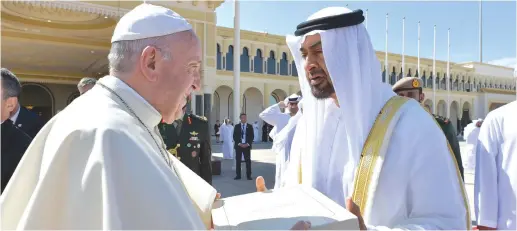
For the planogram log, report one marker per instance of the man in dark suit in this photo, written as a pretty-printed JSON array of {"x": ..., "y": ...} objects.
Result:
[
  {"x": 21, "y": 117},
  {"x": 14, "y": 142},
  {"x": 243, "y": 138},
  {"x": 27, "y": 121},
  {"x": 189, "y": 140}
]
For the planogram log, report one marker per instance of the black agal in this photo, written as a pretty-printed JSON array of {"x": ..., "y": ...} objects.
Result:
[{"x": 330, "y": 22}]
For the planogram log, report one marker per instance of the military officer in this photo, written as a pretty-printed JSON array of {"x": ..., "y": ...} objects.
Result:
[
  {"x": 411, "y": 87},
  {"x": 189, "y": 140}
]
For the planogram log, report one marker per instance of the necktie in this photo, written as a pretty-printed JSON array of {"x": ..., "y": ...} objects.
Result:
[{"x": 243, "y": 131}]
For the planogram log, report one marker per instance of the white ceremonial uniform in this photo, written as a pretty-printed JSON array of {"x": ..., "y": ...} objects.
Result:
[
  {"x": 282, "y": 146},
  {"x": 227, "y": 138},
  {"x": 104, "y": 172},
  {"x": 495, "y": 186},
  {"x": 272, "y": 115},
  {"x": 415, "y": 183},
  {"x": 470, "y": 132}
]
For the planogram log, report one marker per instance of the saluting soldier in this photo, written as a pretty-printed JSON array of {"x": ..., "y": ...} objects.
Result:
[
  {"x": 411, "y": 87},
  {"x": 189, "y": 140}
]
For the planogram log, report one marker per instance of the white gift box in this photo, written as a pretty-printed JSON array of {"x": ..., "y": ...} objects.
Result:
[{"x": 280, "y": 210}]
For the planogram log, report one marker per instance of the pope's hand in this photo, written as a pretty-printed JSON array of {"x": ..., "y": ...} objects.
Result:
[{"x": 354, "y": 209}]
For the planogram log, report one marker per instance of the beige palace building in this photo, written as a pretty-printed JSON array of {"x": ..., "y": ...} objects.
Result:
[{"x": 51, "y": 45}]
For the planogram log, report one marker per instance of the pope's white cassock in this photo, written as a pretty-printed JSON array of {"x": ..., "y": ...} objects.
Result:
[
  {"x": 227, "y": 138},
  {"x": 470, "y": 132},
  {"x": 495, "y": 186},
  {"x": 413, "y": 181},
  {"x": 95, "y": 166}
]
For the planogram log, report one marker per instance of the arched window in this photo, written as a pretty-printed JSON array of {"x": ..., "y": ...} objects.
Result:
[
  {"x": 393, "y": 77},
  {"x": 245, "y": 60},
  {"x": 273, "y": 99},
  {"x": 271, "y": 64},
  {"x": 294, "y": 71},
  {"x": 229, "y": 59},
  {"x": 258, "y": 62},
  {"x": 430, "y": 80},
  {"x": 219, "y": 58},
  {"x": 283, "y": 64},
  {"x": 424, "y": 78}
]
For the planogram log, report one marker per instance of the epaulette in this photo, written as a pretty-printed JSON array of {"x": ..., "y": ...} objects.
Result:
[
  {"x": 441, "y": 119},
  {"x": 202, "y": 118}
]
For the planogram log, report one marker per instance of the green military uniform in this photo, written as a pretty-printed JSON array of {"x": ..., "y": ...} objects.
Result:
[
  {"x": 414, "y": 83},
  {"x": 190, "y": 144}
]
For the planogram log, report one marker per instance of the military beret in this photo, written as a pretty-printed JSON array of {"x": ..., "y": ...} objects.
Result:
[{"x": 408, "y": 83}]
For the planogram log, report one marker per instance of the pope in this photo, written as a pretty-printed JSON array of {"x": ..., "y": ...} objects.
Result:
[{"x": 112, "y": 171}]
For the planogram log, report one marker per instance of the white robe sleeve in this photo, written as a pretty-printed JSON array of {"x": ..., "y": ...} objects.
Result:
[
  {"x": 100, "y": 179},
  {"x": 432, "y": 198},
  {"x": 271, "y": 114},
  {"x": 486, "y": 195}
]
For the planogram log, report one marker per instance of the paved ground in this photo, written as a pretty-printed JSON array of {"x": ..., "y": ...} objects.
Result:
[{"x": 263, "y": 164}]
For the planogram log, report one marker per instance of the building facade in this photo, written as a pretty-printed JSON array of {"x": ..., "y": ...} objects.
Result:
[{"x": 51, "y": 45}]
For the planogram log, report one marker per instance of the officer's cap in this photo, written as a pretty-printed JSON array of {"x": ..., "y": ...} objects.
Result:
[{"x": 408, "y": 83}]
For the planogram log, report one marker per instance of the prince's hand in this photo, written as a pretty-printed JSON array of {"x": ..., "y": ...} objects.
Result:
[
  {"x": 354, "y": 209},
  {"x": 260, "y": 183}
]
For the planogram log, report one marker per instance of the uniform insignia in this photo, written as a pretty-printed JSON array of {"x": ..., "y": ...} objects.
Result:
[
  {"x": 198, "y": 145},
  {"x": 415, "y": 83},
  {"x": 189, "y": 145},
  {"x": 194, "y": 133},
  {"x": 19, "y": 125},
  {"x": 193, "y": 138},
  {"x": 194, "y": 153}
]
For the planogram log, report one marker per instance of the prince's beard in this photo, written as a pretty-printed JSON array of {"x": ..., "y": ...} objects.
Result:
[{"x": 324, "y": 92}]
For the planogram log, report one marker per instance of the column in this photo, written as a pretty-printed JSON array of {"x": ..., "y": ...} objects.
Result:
[
  {"x": 266, "y": 96},
  {"x": 236, "y": 61},
  {"x": 192, "y": 103},
  {"x": 207, "y": 90},
  {"x": 199, "y": 105}
]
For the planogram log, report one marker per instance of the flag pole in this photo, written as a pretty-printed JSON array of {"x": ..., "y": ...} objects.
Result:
[
  {"x": 480, "y": 31},
  {"x": 418, "y": 53},
  {"x": 386, "y": 67},
  {"x": 434, "y": 70},
  {"x": 448, "y": 79},
  {"x": 236, "y": 61},
  {"x": 403, "y": 45}
]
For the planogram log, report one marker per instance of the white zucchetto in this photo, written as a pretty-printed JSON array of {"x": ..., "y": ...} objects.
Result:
[{"x": 147, "y": 21}]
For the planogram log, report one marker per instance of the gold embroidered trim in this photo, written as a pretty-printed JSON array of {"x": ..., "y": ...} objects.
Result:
[{"x": 371, "y": 150}]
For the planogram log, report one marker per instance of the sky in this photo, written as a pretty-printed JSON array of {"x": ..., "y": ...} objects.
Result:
[{"x": 462, "y": 17}]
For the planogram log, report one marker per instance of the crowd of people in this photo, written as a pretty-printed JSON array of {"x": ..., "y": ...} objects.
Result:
[{"x": 106, "y": 161}]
